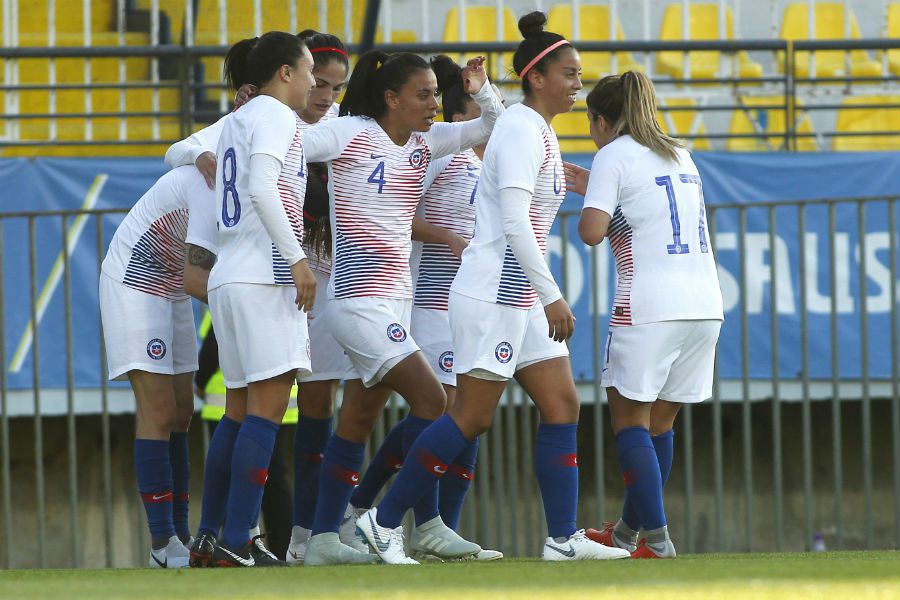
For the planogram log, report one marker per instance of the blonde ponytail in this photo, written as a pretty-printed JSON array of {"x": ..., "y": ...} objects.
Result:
[{"x": 628, "y": 102}]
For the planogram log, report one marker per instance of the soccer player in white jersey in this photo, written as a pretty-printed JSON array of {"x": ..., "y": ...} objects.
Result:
[
  {"x": 148, "y": 328},
  {"x": 498, "y": 328},
  {"x": 377, "y": 159},
  {"x": 447, "y": 212},
  {"x": 328, "y": 361},
  {"x": 261, "y": 282},
  {"x": 645, "y": 195}
]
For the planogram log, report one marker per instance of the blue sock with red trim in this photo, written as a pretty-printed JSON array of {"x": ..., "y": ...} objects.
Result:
[
  {"x": 455, "y": 484},
  {"x": 643, "y": 480},
  {"x": 153, "y": 470},
  {"x": 556, "y": 467},
  {"x": 310, "y": 440},
  {"x": 427, "y": 507},
  {"x": 386, "y": 462},
  {"x": 249, "y": 471},
  {"x": 217, "y": 476},
  {"x": 180, "y": 458},
  {"x": 425, "y": 463},
  {"x": 339, "y": 475},
  {"x": 664, "y": 445}
]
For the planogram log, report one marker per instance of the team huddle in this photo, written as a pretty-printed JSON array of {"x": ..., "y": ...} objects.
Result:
[{"x": 368, "y": 243}]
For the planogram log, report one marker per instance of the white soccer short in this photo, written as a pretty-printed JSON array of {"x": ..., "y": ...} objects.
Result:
[
  {"x": 145, "y": 332},
  {"x": 499, "y": 339},
  {"x": 668, "y": 360},
  {"x": 374, "y": 333},
  {"x": 329, "y": 361},
  {"x": 260, "y": 332},
  {"x": 432, "y": 330}
]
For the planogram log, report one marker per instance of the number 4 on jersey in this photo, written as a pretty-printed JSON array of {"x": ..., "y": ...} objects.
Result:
[
  {"x": 677, "y": 247},
  {"x": 377, "y": 176}
]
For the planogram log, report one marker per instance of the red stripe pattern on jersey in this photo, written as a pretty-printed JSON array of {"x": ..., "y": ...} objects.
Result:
[
  {"x": 156, "y": 265},
  {"x": 549, "y": 191},
  {"x": 619, "y": 235},
  {"x": 377, "y": 186},
  {"x": 292, "y": 189},
  {"x": 449, "y": 203}
]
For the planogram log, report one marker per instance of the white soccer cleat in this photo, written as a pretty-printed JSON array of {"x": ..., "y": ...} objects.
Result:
[
  {"x": 486, "y": 555},
  {"x": 347, "y": 530},
  {"x": 296, "y": 551},
  {"x": 579, "y": 547},
  {"x": 387, "y": 543},
  {"x": 435, "y": 538},
  {"x": 173, "y": 556},
  {"x": 327, "y": 549}
]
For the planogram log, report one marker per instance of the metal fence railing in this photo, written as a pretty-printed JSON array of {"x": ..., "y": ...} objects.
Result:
[{"x": 802, "y": 436}]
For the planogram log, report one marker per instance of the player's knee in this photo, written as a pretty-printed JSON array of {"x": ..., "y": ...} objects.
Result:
[
  {"x": 315, "y": 407},
  {"x": 561, "y": 409}
]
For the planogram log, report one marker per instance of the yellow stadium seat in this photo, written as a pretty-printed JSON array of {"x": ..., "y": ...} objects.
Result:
[
  {"x": 704, "y": 25},
  {"x": 593, "y": 25},
  {"x": 480, "y": 24},
  {"x": 829, "y": 26},
  {"x": 864, "y": 121},
  {"x": 679, "y": 123},
  {"x": 752, "y": 120},
  {"x": 574, "y": 123},
  {"x": 893, "y": 31}
]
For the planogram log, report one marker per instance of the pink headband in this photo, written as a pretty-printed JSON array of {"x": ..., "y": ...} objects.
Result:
[{"x": 541, "y": 55}]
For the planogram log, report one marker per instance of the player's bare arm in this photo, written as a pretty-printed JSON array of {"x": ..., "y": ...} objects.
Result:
[{"x": 199, "y": 262}]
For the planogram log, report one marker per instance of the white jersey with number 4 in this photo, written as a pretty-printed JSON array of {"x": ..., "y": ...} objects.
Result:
[
  {"x": 658, "y": 234},
  {"x": 247, "y": 253},
  {"x": 523, "y": 153}
]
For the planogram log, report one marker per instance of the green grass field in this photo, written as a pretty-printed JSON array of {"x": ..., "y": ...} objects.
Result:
[{"x": 853, "y": 575}]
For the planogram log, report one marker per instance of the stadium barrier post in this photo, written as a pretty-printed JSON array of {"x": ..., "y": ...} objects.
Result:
[
  {"x": 36, "y": 395},
  {"x": 74, "y": 534},
  {"x": 866, "y": 405},
  {"x": 104, "y": 416},
  {"x": 4, "y": 419},
  {"x": 805, "y": 408},
  {"x": 836, "y": 426},
  {"x": 777, "y": 451},
  {"x": 746, "y": 406}
]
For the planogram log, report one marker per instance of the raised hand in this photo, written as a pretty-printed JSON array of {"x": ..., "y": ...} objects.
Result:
[
  {"x": 474, "y": 76},
  {"x": 576, "y": 178}
]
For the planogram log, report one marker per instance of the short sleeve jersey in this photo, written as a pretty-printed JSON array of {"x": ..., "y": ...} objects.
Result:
[
  {"x": 448, "y": 202},
  {"x": 523, "y": 153},
  {"x": 375, "y": 186},
  {"x": 246, "y": 252},
  {"x": 658, "y": 234},
  {"x": 147, "y": 251}
]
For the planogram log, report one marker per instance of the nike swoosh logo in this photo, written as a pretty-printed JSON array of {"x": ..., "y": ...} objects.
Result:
[
  {"x": 163, "y": 564},
  {"x": 355, "y": 478},
  {"x": 376, "y": 157},
  {"x": 163, "y": 497},
  {"x": 570, "y": 552},
  {"x": 247, "y": 562},
  {"x": 467, "y": 476},
  {"x": 604, "y": 370},
  {"x": 439, "y": 470},
  {"x": 382, "y": 545},
  {"x": 294, "y": 555}
]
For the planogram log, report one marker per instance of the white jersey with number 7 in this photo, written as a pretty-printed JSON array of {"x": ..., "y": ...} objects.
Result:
[{"x": 658, "y": 234}]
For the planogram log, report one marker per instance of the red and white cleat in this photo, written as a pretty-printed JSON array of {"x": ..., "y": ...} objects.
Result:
[
  {"x": 608, "y": 537},
  {"x": 646, "y": 549}
]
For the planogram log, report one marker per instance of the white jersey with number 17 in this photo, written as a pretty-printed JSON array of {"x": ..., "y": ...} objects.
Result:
[
  {"x": 658, "y": 234},
  {"x": 247, "y": 253}
]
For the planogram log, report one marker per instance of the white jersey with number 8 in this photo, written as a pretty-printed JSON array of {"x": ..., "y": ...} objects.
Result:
[
  {"x": 658, "y": 234},
  {"x": 247, "y": 253}
]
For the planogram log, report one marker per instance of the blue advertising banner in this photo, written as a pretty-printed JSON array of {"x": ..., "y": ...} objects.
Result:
[{"x": 55, "y": 184}]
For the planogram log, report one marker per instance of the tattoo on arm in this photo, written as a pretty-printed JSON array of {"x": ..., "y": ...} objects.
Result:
[{"x": 201, "y": 257}]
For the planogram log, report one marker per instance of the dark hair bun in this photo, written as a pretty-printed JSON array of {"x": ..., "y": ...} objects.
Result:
[
  {"x": 532, "y": 24},
  {"x": 447, "y": 72},
  {"x": 307, "y": 33}
]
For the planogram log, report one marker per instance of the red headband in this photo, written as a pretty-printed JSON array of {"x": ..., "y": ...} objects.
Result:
[
  {"x": 329, "y": 49},
  {"x": 541, "y": 55}
]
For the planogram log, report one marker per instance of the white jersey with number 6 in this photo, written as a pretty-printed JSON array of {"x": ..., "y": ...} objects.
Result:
[
  {"x": 247, "y": 253},
  {"x": 658, "y": 234}
]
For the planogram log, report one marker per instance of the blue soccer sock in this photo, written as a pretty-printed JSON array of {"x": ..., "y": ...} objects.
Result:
[
  {"x": 180, "y": 458},
  {"x": 153, "y": 470},
  {"x": 556, "y": 466},
  {"x": 310, "y": 440},
  {"x": 339, "y": 475},
  {"x": 428, "y": 459},
  {"x": 641, "y": 471},
  {"x": 664, "y": 445},
  {"x": 427, "y": 507},
  {"x": 456, "y": 483},
  {"x": 249, "y": 470},
  {"x": 387, "y": 461},
  {"x": 217, "y": 477}
]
